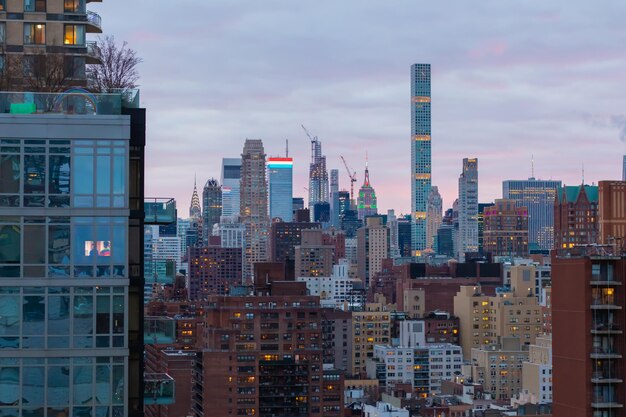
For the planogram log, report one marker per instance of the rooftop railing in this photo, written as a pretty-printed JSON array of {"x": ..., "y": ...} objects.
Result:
[
  {"x": 159, "y": 211},
  {"x": 72, "y": 101},
  {"x": 158, "y": 389}
]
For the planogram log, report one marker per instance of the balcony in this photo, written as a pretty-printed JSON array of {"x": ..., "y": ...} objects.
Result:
[
  {"x": 605, "y": 328},
  {"x": 92, "y": 54},
  {"x": 94, "y": 22},
  {"x": 602, "y": 402},
  {"x": 603, "y": 377},
  {"x": 159, "y": 211},
  {"x": 73, "y": 101},
  {"x": 158, "y": 389},
  {"x": 159, "y": 330},
  {"x": 604, "y": 354}
]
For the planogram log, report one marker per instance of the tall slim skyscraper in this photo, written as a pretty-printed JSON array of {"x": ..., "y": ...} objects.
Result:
[
  {"x": 624, "y": 168},
  {"x": 420, "y": 154},
  {"x": 366, "y": 202},
  {"x": 211, "y": 207},
  {"x": 468, "y": 207},
  {"x": 334, "y": 197},
  {"x": 433, "y": 216},
  {"x": 538, "y": 196},
  {"x": 231, "y": 177},
  {"x": 71, "y": 256},
  {"x": 280, "y": 181},
  {"x": 318, "y": 175},
  {"x": 195, "y": 209},
  {"x": 254, "y": 213}
]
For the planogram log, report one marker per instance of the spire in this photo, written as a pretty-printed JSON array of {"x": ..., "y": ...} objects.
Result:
[
  {"x": 366, "y": 183},
  {"x": 195, "y": 210}
]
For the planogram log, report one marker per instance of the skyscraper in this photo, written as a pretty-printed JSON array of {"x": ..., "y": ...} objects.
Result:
[
  {"x": 366, "y": 202},
  {"x": 195, "y": 209},
  {"x": 538, "y": 196},
  {"x": 231, "y": 177},
  {"x": 318, "y": 175},
  {"x": 254, "y": 214},
  {"x": 211, "y": 207},
  {"x": 420, "y": 154},
  {"x": 468, "y": 207},
  {"x": 334, "y": 197},
  {"x": 71, "y": 256},
  {"x": 280, "y": 180},
  {"x": 624, "y": 168},
  {"x": 433, "y": 216}
]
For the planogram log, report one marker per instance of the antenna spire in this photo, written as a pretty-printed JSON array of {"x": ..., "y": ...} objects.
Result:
[
  {"x": 532, "y": 166},
  {"x": 286, "y": 148},
  {"x": 583, "y": 172}
]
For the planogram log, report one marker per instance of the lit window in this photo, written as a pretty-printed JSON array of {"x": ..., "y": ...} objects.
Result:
[
  {"x": 34, "y": 34},
  {"x": 74, "y": 35}
]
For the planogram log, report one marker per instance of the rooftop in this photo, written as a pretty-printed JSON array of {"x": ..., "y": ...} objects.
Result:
[{"x": 73, "y": 101}]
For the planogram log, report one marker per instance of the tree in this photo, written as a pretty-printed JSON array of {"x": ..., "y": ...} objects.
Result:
[
  {"x": 46, "y": 73},
  {"x": 10, "y": 73},
  {"x": 118, "y": 68}
]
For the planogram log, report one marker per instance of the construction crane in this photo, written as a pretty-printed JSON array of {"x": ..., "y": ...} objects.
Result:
[
  {"x": 314, "y": 142},
  {"x": 352, "y": 178}
]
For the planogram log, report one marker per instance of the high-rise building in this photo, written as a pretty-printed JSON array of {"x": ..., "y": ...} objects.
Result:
[
  {"x": 538, "y": 196},
  {"x": 254, "y": 213},
  {"x": 213, "y": 270},
  {"x": 231, "y": 177},
  {"x": 588, "y": 343},
  {"x": 71, "y": 245},
  {"x": 376, "y": 321},
  {"x": 318, "y": 175},
  {"x": 195, "y": 208},
  {"x": 468, "y": 207},
  {"x": 420, "y": 154},
  {"x": 211, "y": 207},
  {"x": 624, "y": 168},
  {"x": 373, "y": 247},
  {"x": 404, "y": 236},
  {"x": 334, "y": 198},
  {"x": 434, "y": 214},
  {"x": 366, "y": 201},
  {"x": 612, "y": 215},
  {"x": 231, "y": 232},
  {"x": 506, "y": 229},
  {"x": 313, "y": 258},
  {"x": 576, "y": 216},
  {"x": 280, "y": 179},
  {"x": 44, "y": 44},
  {"x": 392, "y": 225},
  {"x": 284, "y": 237},
  {"x": 481, "y": 224}
]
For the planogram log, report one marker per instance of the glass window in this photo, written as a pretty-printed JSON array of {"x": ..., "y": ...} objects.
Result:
[
  {"x": 34, "y": 5},
  {"x": 9, "y": 173},
  {"x": 74, "y": 35},
  {"x": 103, "y": 185},
  {"x": 58, "y": 315},
  {"x": 103, "y": 313},
  {"x": 33, "y": 386},
  {"x": 103, "y": 384},
  {"x": 83, "y": 174},
  {"x": 59, "y": 174},
  {"x": 58, "y": 385},
  {"x": 59, "y": 244},
  {"x": 82, "y": 385},
  {"x": 34, "y": 244},
  {"x": 74, "y": 6},
  {"x": 33, "y": 309},
  {"x": 34, "y": 174},
  {"x": 34, "y": 34},
  {"x": 10, "y": 252},
  {"x": 10, "y": 385},
  {"x": 2, "y": 26}
]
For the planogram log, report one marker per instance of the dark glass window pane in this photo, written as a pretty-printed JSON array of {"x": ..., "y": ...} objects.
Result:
[
  {"x": 59, "y": 177},
  {"x": 103, "y": 310},
  {"x": 10, "y": 244},
  {"x": 58, "y": 385},
  {"x": 59, "y": 245},
  {"x": 34, "y": 313},
  {"x": 9, "y": 173},
  {"x": 34, "y": 174},
  {"x": 34, "y": 244}
]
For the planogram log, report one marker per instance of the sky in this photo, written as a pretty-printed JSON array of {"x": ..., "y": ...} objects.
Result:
[{"x": 511, "y": 82}]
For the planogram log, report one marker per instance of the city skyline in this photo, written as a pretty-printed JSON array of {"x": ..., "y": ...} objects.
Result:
[{"x": 529, "y": 78}]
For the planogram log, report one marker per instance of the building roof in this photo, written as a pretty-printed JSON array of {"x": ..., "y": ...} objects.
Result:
[{"x": 572, "y": 192}]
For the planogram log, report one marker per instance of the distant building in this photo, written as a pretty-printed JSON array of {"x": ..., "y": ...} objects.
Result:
[
  {"x": 350, "y": 222},
  {"x": 373, "y": 247},
  {"x": 433, "y": 216},
  {"x": 366, "y": 202},
  {"x": 211, "y": 207},
  {"x": 231, "y": 177},
  {"x": 213, "y": 270},
  {"x": 297, "y": 203},
  {"x": 404, "y": 237},
  {"x": 195, "y": 209},
  {"x": 481, "y": 225},
  {"x": 506, "y": 229},
  {"x": 537, "y": 372},
  {"x": 624, "y": 168},
  {"x": 576, "y": 216},
  {"x": 321, "y": 213},
  {"x": 284, "y": 237},
  {"x": 334, "y": 198},
  {"x": 280, "y": 179},
  {"x": 612, "y": 215},
  {"x": 538, "y": 197},
  {"x": 468, "y": 208},
  {"x": 313, "y": 258},
  {"x": 421, "y": 164},
  {"x": 254, "y": 213},
  {"x": 373, "y": 316},
  {"x": 392, "y": 225},
  {"x": 318, "y": 175}
]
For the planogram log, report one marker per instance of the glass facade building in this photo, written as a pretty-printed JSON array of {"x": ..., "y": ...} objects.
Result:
[
  {"x": 231, "y": 177},
  {"x": 280, "y": 182},
  {"x": 70, "y": 204},
  {"x": 538, "y": 196},
  {"x": 420, "y": 154}
]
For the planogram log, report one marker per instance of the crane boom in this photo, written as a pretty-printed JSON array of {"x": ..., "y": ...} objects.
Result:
[{"x": 352, "y": 177}]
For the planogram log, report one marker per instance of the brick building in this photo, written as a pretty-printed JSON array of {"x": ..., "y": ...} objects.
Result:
[{"x": 213, "y": 270}]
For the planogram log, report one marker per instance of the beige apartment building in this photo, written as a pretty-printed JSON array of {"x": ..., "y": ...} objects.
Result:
[
  {"x": 313, "y": 258},
  {"x": 370, "y": 327},
  {"x": 37, "y": 34},
  {"x": 513, "y": 312},
  {"x": 372, "y": 248},
  {"x": 537, "y": 372},
  {"x": 498, "y": 367}
]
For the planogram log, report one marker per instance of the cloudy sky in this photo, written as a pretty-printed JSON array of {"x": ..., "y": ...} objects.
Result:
[{"x": 510, "y": 80}]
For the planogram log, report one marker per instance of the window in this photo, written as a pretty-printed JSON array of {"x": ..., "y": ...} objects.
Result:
[
  {"x": 74, "y": 6},
  {"x": 2, "y": 6},
  {"x": 34, "y": 34},
  {"x": 74, "y": 35},
  {"x": 2, "y": 27},
  {"x": 34, "y": 5}
]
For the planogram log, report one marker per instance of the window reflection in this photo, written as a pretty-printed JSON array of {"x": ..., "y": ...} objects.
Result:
[
  {"x": 9, "y": 174},
  {"x": 10, "y": 244},
  {"x": 59, "y": 177},
  {"x": 34, "y": 174}
]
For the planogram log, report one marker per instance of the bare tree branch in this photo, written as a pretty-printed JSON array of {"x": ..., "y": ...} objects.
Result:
[{"x": 118, "y": 69}]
